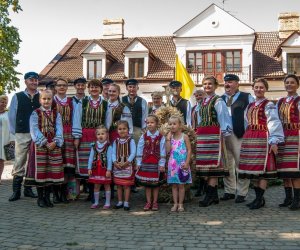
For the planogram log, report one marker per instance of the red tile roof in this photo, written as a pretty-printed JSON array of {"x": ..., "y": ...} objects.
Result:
[
  {"x": 69, "y": 63},
  {"x": 264, "y": 62}
]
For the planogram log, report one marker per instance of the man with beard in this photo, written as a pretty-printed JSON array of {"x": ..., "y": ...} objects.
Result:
[
  {"x": 183, "y": 105},
  {"x": 21, "y": 107},
  {"x": 237, "y": 103}
]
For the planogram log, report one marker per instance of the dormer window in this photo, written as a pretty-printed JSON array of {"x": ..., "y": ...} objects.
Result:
[
  {"x": 136, "y": 67},
  {"x": 94, "y": 69}
]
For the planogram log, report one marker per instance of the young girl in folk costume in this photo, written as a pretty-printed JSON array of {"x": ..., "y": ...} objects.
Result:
[
  {"x": 214, "y": 123},
  {"x": 46, "y": 165},
  {"x": 88, "y": 115},
  {"x": 116, "y": 111},
  {"x": 179, "y": 172},
  {"x": 123, "y": 156},
  {"x": 259, "y": 145},
  {"x": 151, "y": 160},
  {"x": 100, "y": 166},
  {"x": 64, "y": 105},
  {"x": 289, "y": 153}
]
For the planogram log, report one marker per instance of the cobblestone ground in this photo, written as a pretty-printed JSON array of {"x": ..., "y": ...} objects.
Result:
[{"x": 23, "y": 225}]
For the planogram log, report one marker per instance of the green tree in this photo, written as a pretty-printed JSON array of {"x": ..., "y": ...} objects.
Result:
[{"x": 9, "y": 47}]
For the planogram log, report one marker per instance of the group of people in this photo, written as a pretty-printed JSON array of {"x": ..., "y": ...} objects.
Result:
[{"x": 107, "y": 140}]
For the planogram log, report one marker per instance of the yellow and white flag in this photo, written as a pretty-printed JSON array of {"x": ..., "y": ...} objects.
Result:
[{"x": 184, "y": 77}]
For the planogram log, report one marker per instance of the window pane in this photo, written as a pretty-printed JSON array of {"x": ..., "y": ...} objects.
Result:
[
  {"x": 293, "y": 64},
  {"x": 191, "y": 61},
  {"x": 98, "y": 69},
  {"x": 91, "y": 70},
  {"x": 141, "y": 67}
]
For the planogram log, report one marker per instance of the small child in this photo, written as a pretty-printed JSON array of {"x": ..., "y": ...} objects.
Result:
[
  {"x": 179, "y": 173},
  {"x": 123, "y": 156},
  {"x": 151, "y": 160},
  {"x": 46, "y": 163},
  {"x": 100, "y": 166}
]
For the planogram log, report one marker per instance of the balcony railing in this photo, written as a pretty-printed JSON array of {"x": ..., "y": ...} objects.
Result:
[{"x": 245, "y": 74}]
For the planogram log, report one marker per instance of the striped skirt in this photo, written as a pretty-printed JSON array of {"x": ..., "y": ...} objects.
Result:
[
  {"x": 83, "y": 152},
  {"x": 211, "y": 152},
  {"x": 68, "y": 151},
  {"x": 149, "y": 175},
  {"x": 288, "y": 155},
  {"x": 99, "y": 174},
  {"x": 255, "y": 159},
  {"x": 124, "y": 177}
]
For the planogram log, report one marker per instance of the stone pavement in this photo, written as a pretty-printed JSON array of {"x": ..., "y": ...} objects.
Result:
[{"x": 23, "y": 225}]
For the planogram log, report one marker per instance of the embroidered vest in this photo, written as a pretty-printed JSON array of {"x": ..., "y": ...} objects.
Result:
[
  {"x": 257, "y": 119},
  {"x": 93, "y": 117},
  {"x": 116, "y": 115},
  {"x": 135, "y": 109},
  {"x": 102, "y": 156},
  {"x": 47, "y": 123},
  {"x": 181, "y": 105},
  {"x": 151, "y": 147},
  {"x": 123, "y": 149},
  {"x": 208, "y": 113},
  {"x": 288, "y": 113},
  {"x": 65, "y": 110}
]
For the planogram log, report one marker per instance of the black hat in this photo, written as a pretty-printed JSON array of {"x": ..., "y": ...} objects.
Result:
[
  {"x": 50, "y": 84},
  {"x": 131, "y": 82},
  {"x": 80, "y": 80},
  {"x": 175, "y": 84},
  {"x": 231, "y": 77},
  {"x": 31, "y": 74},
  {"x": 105, "y": 81}
]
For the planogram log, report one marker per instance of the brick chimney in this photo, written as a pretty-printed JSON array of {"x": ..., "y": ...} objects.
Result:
[
  {"x": 288, "y": 22},
  {"x": 113, "y": 28}
]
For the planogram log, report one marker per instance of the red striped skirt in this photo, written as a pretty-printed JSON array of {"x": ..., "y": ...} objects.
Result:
[
  {"x": 211, "y": 152},
  {"x": 68, "y": 149},
  {"x": 255, "y": 159},
  {"x": 83, "y": 152},
  {"x": 99, "y": 174},
  {"x": 288, "y": 155},
  {"x": 124, "y": 177}
]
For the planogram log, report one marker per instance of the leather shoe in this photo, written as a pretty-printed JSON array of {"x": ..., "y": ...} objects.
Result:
[
  {"x": 240, "y": 199},
  {"x": 118, "y": 206},
  {"x": 227, "y": 197}
]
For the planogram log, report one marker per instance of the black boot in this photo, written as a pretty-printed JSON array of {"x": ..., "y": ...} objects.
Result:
[
  {"x": 47, "y": 196},
  {"x": 210, "y": 197},
  {"x": 260, "y": 200},
  {"x": 56, "y": 198},
  {"x": 63, "y": 193},
  {"x": 251, "y": 203},
  {"x": 29, "y": 193},
  {"x": 16, "y": 185},
  {"x": 41, "y": 200},
  {"x": 288, "y": 197},
  {"x": 296, "y": 200},
  {"x": 91, "y": 193}
]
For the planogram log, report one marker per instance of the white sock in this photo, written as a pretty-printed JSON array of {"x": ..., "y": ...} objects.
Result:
[
  {"x": 120, "y": 203},
  {"x": 126, "y": 204},
  {"x": 96, "y": 197},
  {"x": 107, "y": 198}
]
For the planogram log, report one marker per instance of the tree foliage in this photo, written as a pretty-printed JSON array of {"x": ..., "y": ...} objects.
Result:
[{"x": 9, "y": 47}]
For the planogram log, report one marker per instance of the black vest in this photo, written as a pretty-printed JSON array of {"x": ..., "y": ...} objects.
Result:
[
  {"x": 237, "y": 113},
  {"x": 24, "y": 110},
  {"x": 182, "y": 107},
  {"x": 135, "y": 109}
]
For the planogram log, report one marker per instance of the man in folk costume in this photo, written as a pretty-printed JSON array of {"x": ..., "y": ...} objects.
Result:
[
  {"x": 183, "y": 105},
  {"x": 237, "y": 103},
  {"x": 21, "y": 107},
  {"x": 138, "y": 108},
  {"x": 80, "y": 86},
  {"x": 157, "y": 100},
  {"x": 88, "y": 115},
  {"x": 106, "y": 82}
]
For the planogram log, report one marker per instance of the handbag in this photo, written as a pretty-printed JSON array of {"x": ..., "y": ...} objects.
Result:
[
  {"x": 9, "y": 151},
  {"x": 184, "y": 175}
]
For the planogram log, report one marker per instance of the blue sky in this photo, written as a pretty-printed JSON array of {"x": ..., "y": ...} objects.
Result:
[{"x": 46, "y": 26}]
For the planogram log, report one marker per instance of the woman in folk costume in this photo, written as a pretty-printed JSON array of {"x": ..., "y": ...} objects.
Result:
[
  {"x": 157, "y": 102},
  {"x": 46, "y": 165},
  {"x": 259, "y": 145},
  {"x": 64, "y": 105},
  {"x": 116, "y": 111},
  {"x": 214, "y": 124},
  {"x": 123, "y": 157},
  {"x": 88, "y": 115},
  {"x": 288, "y": 153},
  {"x": 151, "y": 160}
]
